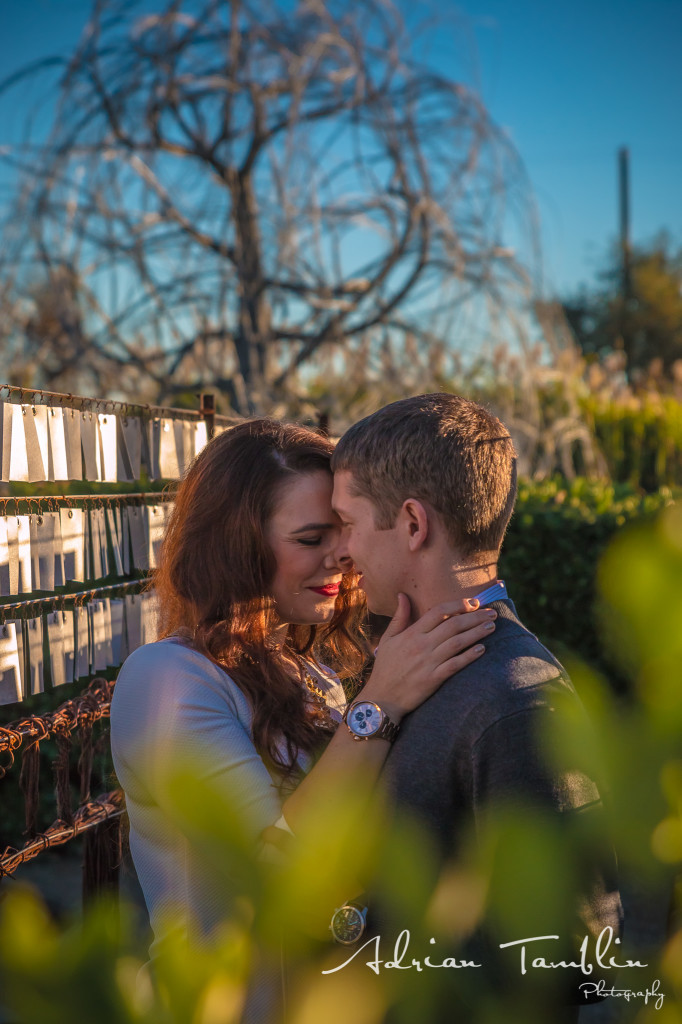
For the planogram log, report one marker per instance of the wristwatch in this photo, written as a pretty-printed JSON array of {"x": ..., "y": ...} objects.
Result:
[
  {"x": 367, "y": 721},
  {"x": 348, "y": 922}
]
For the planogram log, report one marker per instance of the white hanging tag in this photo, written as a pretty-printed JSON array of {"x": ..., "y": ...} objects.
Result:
[
  {"x": 138, "y": 536},
  {"x": 122, "y": 514},
  {"x": 90, "y": 446},
  {"x": 107, "y": 440},
  {"x": 133, "y": 616},
  {"x": 18, "y": 465},
  {"x": 5, "y": 585},
  {"x": 188, "y": 436},
  {"x": 42, "y": 551},
  {"x": 24, "y": 554},
  {"x": 5, "y": 440},
  {"x": 21, "y": 651},
  {"x": 73, "y": 543},
  {"x": 157, "y": 524},
  {"x": 82, "y": 623},
  {"x": 57, "y": 466},
  {"x": 168, "y": 454},
  {"x": 149, "y": 617},
  {"x": 200, "y": 436},
  {"x": 145, "y": 447},
  {"x": 154, "y": 435},
  {"x": 119, "y": 650},
  {"x": 87, "y": 545},
  {"x": 96, "y": 572},
  {"x": 34, "y": 633},
  {"x": 182, "y": 455},
  {"x": 115, "y": 539},
  {"x": 69, "y": 640},
  {"x": 106, "y": 611},
  {"x": 72, "y": 438},
  {"x": 59, "y": 575},
  {"x": 40, "y": 419},
  {"x": 10, "y": 673},
  {"x": 55, "y": 646},
  {"x": 131, "y": 427},
  {"x": 98, "y": 661},
  {"x": 104, "y": 547},
  {"x": 12, "y": 526},
  {"x": 124, "y": 468}
]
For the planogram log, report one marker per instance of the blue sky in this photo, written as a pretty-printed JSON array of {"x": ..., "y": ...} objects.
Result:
[{"x": 569, "y": 82}]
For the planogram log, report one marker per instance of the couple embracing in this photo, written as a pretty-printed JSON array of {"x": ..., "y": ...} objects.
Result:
[{"x": 278, "y": 543}]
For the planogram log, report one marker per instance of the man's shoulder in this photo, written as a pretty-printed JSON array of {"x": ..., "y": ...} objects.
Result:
[{"x": 516, "y": 673}]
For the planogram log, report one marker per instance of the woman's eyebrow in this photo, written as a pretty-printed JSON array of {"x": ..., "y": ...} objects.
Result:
[{"x": 315, "y": 526}]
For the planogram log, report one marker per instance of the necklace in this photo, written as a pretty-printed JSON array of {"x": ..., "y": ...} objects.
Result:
[{"x": 321, "y": 712}]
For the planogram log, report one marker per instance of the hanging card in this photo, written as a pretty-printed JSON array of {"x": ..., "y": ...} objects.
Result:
[
  {"x": 168, "y": 453},
  {"x": 124, "y": 462},
  {"x": 5, "y": 585},
  {"x": 42, "y": 551},
  {"x": 73, "y": 543},
  {"x": 113, "y": 524},
  {"x": 24, "y": 554},
  {"x": 133, "y": 617},
  {"x": 119, "y": 647},
  {"x": 149, "y": 617},
  {"x": 59, "y": 572},
  {"x": 188, "y": 443},
  {"x": 98, "y": 659},
  {"x": 156, "y": 530},
  {"x": 5, "y": 440},
  {"x": 108, "y": 653},
  {"x": 56, "y": 466},
  {"x": 107, "y": 441},
  {"x": 33, "y": 440},
  {"x": 72, "y": 439},
  {"x": 96, "y": 572},
  {"x": 40, "y": 413},
  {"x": 138, "y": 536},
  {"x": 154, "y": 449},
  {"x": 181, "y": 429},
  {"x": 145, "y": 447},
  {"x": 10, "y": 673},
  {"x": 200, "y": 436},
  {"x": 82, "y": 637},
  {"x": 69, "y": 640},
  {"x": 87, "y": 545},
  {"x": 101, "y": 534},
  {"x": 18, "y": 463},
  {"x": 21, "y": 650},
  {"x": 12, "y": 527},
  {"x": 90, "y": 446},
  {"x": 55, "y": 646},
  {"x": 124, "y": 528},
  {"x": 34, "y": 633}
]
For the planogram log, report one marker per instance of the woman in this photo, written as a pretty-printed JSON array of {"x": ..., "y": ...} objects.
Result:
[{"x": 250, "y": 590}]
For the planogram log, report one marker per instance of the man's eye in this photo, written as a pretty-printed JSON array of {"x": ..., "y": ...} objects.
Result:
[{"x": 310, "y": 542}]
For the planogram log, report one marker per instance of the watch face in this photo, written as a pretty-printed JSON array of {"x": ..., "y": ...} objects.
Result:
[
  {"x": 365, "y": 718},
  {"x": 348, "y": 924}
]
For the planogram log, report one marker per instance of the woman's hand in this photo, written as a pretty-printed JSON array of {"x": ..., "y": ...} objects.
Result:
[{"x": 413, "y": 660}]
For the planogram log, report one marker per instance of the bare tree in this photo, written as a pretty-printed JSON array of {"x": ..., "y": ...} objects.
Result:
[{"x": 238, "y": 187}]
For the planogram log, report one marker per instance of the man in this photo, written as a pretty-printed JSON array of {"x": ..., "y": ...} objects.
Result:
[{"x": 425, "y": 488}]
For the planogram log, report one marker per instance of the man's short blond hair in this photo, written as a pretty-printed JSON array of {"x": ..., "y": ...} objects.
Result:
[{"x": 441, "y": 449}]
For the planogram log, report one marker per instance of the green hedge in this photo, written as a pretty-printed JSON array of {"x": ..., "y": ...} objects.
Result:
[{"x": 550, "y": 555}]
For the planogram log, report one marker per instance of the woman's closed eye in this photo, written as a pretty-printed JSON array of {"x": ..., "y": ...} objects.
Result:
[{"x": 310, "y": 542}]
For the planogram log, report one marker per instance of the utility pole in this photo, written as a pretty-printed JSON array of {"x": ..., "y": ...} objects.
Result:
[
  {"x": 627, "y": 340},
  {"x": 624, "y": 196}
]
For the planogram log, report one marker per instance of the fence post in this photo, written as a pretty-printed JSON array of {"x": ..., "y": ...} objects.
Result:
[{"x": 207, "y": 411}]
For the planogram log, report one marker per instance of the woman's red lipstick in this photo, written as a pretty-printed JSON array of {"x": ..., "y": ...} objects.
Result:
[{"x": 331, "y": 590}]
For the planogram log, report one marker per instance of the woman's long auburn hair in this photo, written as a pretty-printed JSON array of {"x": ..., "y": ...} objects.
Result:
[{"x": 215, "y": 572}]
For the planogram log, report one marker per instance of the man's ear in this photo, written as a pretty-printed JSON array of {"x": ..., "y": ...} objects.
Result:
[{"x": 416, "y": 521}]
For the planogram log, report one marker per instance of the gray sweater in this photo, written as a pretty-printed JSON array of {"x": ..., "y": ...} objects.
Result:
[{"x": 477, "y": 741}]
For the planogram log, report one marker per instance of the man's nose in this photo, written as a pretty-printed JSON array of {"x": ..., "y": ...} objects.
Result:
[{"x": 340, "y": 556}]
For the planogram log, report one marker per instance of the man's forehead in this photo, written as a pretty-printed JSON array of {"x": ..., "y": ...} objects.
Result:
[{"x": 343, "y": 493}]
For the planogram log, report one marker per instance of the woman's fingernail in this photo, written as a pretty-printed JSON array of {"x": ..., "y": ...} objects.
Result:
[
  {"x": 489, "y": 625},
  {"x": 492, "y": 614},
  {"x": 479, "y": 649}
]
